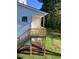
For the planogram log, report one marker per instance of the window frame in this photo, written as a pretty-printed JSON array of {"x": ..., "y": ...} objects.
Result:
[{"x": 24, "y": 19}]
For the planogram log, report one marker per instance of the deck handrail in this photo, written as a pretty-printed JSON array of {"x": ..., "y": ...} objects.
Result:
[{"x": 38, "y": 32}]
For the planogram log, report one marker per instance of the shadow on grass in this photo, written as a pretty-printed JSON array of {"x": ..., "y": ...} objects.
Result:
[
  {"x": 53, "y": 35},
  {"x": 48, "y": 52},
  {"x": 18, "y": 57},
  {"x": 53, "y": 53}
]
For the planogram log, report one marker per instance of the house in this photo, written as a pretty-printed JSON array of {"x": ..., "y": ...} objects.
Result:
[{"x": 30, "y": 24}]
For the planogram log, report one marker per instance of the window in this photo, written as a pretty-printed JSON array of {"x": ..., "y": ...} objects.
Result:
[
  {"x": 42, "y": 21},
  {"x": 24, "y": 19}
]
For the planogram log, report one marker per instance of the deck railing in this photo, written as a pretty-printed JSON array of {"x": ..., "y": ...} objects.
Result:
[{"x": 38, "y": 32}]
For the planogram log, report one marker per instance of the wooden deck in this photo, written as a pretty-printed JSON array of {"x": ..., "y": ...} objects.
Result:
[{"x": 37, "y": 47}]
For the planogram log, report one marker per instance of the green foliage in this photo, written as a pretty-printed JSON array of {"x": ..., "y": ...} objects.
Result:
[{"x": 53, "y": 19}]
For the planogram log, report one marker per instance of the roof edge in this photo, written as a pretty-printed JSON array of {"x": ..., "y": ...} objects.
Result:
[{"x": 32, "y": 8}]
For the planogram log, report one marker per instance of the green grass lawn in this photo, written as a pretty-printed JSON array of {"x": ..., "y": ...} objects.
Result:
[
  {"x": 52, "y": 43},
  {"x": 31, "y": 56}
]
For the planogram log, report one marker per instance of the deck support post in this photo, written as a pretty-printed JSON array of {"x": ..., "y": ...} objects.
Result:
[{"x": 30, "y": 47}]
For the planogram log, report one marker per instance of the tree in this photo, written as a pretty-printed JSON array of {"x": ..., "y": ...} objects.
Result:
[{"x": 53, "y": 19}]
